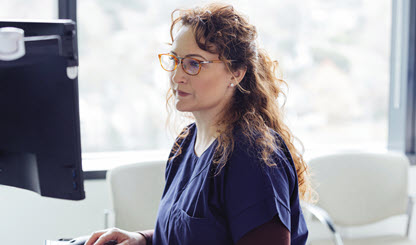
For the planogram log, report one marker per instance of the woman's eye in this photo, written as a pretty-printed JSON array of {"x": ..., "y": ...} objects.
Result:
[{"x": 194, "y": 63}]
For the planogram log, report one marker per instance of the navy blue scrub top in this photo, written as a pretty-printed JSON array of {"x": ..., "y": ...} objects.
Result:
[{"x": 197, "y": 208}]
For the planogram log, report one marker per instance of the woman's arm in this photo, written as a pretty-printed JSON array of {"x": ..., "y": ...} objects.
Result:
[
  {"x": 148, "y": 235},
  {"x": 272, "y": 232}
]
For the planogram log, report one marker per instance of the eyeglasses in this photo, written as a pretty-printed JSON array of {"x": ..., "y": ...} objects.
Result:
[{"x": 191, "y": 66}]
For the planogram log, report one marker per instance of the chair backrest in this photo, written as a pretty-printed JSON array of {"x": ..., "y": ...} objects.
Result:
[
  {"x": 135, "y": 193},
  {"x": 361, "y": 188}
]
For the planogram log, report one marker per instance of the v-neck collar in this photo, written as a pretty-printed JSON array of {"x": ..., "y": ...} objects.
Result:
[{"x": 193, "y": 142}]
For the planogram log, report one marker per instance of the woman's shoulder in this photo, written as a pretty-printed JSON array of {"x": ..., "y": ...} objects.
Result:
[
  {"x": 248, "y": 170},
  {"x": 248, "y": 153},
  {"x": 248, "y": 143}
]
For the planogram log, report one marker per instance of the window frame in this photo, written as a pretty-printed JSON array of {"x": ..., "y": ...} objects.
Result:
[
  {"x": 402, "y": 102},
  {"x": 67, "y": 9}
]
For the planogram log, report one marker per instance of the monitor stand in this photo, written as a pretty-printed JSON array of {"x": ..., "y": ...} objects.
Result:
[{"x": 19, "y": 170}]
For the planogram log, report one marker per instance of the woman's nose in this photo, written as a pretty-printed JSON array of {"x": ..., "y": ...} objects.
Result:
[{"x": 178, "y": 75}]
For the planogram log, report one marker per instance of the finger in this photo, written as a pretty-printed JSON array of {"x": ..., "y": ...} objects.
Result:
[
  {"x": 94, "y": 236},
  {"x": 113, "y": 234},
  {"x": 111, "y": 242},
  {"x": 106, "y": 241},
  {"x": 126, "y": 242}
]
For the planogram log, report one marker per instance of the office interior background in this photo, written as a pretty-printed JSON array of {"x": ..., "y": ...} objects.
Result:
[{"x": 345, "y": 64}]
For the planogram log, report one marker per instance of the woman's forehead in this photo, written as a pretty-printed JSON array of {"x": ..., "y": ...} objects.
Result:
[{"x": 185, "y": 44}]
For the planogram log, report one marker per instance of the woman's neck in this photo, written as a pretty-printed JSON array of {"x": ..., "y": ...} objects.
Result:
[
  {"x": 207, "y": 124},
  {"x": 206, "y": 132}
]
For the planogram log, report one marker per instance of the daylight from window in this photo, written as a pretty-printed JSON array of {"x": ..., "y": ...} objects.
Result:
[{"x": 334, "y": 56}]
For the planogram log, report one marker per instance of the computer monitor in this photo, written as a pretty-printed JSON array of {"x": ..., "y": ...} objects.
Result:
[{"x": 40, "y": 145}]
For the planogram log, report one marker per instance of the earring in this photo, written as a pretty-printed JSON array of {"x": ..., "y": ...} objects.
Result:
[{"x": 232, "y": 85}]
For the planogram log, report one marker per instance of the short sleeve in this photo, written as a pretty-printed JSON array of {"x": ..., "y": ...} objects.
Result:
[{"x": 255, "y": 192}]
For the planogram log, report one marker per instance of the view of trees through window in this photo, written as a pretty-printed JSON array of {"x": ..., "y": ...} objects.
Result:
[{"x": 334, "y": 56}]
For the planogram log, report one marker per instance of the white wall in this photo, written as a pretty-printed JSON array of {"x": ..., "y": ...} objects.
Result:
[{"x": 28, "y": 219}]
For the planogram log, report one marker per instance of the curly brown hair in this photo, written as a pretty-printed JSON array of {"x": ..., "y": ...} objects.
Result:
[{"x": 220, "y": 29}]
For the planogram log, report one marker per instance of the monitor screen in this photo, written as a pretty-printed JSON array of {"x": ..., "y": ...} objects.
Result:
[{"x": 40, "y": 145}]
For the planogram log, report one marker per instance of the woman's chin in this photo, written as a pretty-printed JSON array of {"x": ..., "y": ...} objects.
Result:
[{"x": 182, "y": 108}]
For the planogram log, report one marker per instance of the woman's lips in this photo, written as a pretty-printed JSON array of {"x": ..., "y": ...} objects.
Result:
[{"x": 182, "y": 94}]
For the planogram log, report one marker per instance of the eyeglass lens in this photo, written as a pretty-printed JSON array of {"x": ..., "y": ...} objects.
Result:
[{"x": 190, "y": 65}]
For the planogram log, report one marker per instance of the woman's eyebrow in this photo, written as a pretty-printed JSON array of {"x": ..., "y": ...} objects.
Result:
[{"x": 188, "y": 55}]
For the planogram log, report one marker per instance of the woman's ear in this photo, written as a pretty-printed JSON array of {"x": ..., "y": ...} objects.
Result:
[{"x": 238, "y": 75}]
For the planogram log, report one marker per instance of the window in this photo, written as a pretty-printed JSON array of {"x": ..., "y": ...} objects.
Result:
[
  {"x": 122, "y": 87},
  {"x": 334, "y": 57},
  {"x": 24, "y": 9}
]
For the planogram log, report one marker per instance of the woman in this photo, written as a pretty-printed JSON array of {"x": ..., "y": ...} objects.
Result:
[{"x": 234, "y": 175}]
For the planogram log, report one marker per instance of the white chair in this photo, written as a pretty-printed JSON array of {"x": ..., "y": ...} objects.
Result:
[
  {"x": 135, "y": 193},
  {"x": 359, "y": 189}
]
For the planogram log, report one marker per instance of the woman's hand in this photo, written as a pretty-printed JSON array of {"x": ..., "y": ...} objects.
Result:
[{"x": 120, "y": 236}]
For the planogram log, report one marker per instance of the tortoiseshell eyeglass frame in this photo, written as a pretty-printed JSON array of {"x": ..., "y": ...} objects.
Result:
[{"x": 180, "y": 60}]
